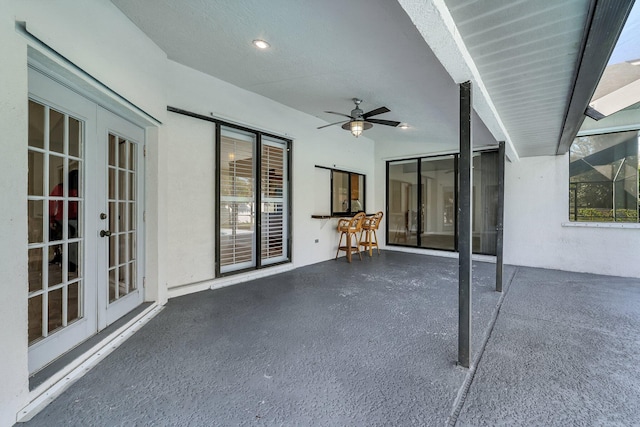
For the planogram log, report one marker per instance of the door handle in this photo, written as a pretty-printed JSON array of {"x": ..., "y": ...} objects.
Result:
[{"x": 105, "y": 233}]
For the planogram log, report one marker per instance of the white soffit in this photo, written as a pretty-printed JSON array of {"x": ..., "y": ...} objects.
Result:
[{"x": 526, "y": 53}]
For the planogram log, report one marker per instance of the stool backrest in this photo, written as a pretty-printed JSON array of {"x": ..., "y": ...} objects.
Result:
[
  {"x": 353, "y": 224},
  {"x": 373, "y": 222},
  {"x": 378, "y": 219}
]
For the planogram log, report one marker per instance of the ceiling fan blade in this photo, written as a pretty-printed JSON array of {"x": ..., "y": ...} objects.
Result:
[
  {"x": 375, "y": 112},
  {"x": 384, "y": 122},
  {"x": 336, "y": 123},
  {"x": 340, "y": 114}
]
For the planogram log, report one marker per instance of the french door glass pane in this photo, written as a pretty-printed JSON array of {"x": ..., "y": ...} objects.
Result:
[
  {"x": 54, "y": 213},
  {"x": 237, "y": 200},
  {"x": 36, "y": 125},
  {"x": 403, "y": 202},
  {"x": 36, "y": 172},
  {"x": 438, "y": 203},
  {"x": 122, "y": 216}
]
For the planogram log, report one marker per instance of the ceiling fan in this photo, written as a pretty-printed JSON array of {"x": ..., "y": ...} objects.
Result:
[{"x": 359, "y": 120}]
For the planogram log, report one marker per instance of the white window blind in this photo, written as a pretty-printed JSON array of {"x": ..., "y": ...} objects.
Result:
[
  {"x": 237, "y": 201},
  {"x": 274, "y": 203}
]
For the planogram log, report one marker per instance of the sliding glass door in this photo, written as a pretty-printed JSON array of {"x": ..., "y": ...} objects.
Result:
[
  {"x": 422, "y": 202},
  {"x": 253, "y": 200}
]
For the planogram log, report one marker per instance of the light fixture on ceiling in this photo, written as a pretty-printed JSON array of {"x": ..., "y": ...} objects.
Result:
[
  {"x": 356, "y": 126},
  {"x": 261, "y": 44},
  {"x": 634, "y": 62},
  {"x": 404, "y": 126}
]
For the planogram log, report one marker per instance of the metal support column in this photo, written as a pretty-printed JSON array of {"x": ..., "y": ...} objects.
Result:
[
  {"x": 500, "y": 218},
  {"x": 464, "y": 227}
]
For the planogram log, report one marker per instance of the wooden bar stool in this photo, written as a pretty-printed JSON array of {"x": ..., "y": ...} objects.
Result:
[
  {"x": 369, "y": 227},
  {"x": 350, "y": 228}
]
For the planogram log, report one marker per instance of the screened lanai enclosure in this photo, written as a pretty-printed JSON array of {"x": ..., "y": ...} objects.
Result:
[{"x": 604, "y": 178}]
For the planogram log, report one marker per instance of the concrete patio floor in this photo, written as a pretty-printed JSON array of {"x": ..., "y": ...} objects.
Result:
[{"x": 375, "y": 343}]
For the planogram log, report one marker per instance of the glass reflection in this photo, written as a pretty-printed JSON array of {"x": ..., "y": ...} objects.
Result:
[
  {"x": 403, "y": 202},
  {"x": 73, "y": 302},
  {"x": 75, "y": 137},
  {"x": 35, "y": 318},
  {"x": 35, "y": 269},
  {"x": 55, "y": 309},
  {"x": 36, "y": 220},
  {"x": 36, "y": 125},
  {"x": 56, "y": 131},
  {"x": 438, "y": 205},
  {"x": 36, "y": 179},
  {"x": 113, "y": 280}
]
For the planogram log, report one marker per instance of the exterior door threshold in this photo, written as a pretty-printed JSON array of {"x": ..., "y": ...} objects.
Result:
[{"x": 51, "y": 388}]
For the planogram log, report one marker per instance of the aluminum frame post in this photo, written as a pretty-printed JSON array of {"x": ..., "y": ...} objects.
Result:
[
  {"x": 464, "y": 227},
  {"x": 500, "y": 218}
]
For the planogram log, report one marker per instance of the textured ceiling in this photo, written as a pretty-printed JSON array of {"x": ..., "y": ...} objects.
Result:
[{"x": 326, "y": 52}]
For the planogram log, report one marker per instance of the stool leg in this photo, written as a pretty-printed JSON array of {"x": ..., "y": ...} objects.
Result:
[
  {"x": 339, "y": 243},
  {"x": 375, "y": 235}
]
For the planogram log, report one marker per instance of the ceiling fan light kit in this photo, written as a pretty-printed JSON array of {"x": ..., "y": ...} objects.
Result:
[
  {"x": 360, "y": 121},
  {"x": 357, "y": 127}
]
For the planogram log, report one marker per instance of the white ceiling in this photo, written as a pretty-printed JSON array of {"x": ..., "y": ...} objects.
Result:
[
  {"x": 526, "y": 53},
  {"x": 326, "y": 52}
]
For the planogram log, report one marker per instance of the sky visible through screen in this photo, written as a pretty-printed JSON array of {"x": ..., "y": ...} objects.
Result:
[{"x": 628, "y": 45}]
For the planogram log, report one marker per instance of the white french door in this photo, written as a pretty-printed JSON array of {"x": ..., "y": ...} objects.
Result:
[
  {"x": 85, "y": 189},
  {"x": 119, "y": 250}
]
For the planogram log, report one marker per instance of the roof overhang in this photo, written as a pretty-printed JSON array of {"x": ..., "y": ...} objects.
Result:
[{"x": 605, "y": 23}]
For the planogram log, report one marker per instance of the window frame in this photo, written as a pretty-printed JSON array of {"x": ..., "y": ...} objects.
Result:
[{"x": 362, "y": 190}]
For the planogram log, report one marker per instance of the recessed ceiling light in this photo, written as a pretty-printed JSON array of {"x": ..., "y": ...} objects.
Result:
[
  {"x": 261, "y": 44},
  {"x": 404, "y": 126}
]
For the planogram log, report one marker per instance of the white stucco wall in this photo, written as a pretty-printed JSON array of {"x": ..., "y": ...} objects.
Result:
[
  {"x": 13, "y": 220},
  {"x": 191, "y": 210},
  {"x": 128, "y": 62},
  {"x": 537, "y": 206}
]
